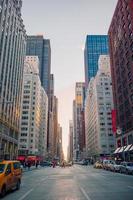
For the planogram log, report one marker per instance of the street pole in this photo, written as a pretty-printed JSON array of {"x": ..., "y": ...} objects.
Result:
[
  {"x": 123, "y": 153},
  {"x": 120, "y": 132}
]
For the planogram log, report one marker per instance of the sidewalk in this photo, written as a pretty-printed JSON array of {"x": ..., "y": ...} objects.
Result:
[{"x": 31, "y": 169}]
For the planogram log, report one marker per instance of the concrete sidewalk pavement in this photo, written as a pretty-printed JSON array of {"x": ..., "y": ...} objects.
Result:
[{"x": 26, "y": 169}]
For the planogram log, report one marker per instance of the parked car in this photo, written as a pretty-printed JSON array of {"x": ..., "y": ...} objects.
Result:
[
  {"x": 126, "y": 167},
  {"x": 82, "y": 162},
  {"x": 85, "y": 162},
  {"x": 107, "y": 164},
  {"x": 116, "y": 167},
  {"x": 110, "y": 165},
  {"x": 46, "y": 164},
  {"x": 10, "y": 176},
  {"x": 98, "y": 165}
]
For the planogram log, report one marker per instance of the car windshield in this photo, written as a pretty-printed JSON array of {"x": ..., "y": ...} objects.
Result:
[
  {"x": 130, "y": 164},
  {"x": 2, "y": 167}
]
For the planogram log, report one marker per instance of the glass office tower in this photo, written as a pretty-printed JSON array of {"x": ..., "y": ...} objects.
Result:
[
  {"x": 38, "y": 46},
  {"x": 95, "y": 46}
]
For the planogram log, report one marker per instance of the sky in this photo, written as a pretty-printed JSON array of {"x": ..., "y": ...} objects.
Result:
[{"x": 66, "y": 23}]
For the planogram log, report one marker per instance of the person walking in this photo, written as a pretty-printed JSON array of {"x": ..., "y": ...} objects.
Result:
[
  {"x": 37, "y": 163},
  {"x": 54, "y": 164},
  {"x": 29, "y": 165}
]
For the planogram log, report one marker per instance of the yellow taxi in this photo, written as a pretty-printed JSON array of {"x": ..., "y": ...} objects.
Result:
[
  {"x": 10, "y": 176},
  {"x": 98, "y": 165}
]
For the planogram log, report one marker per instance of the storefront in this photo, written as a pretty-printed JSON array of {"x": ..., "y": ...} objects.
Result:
[{"x": 124, "y": 153}]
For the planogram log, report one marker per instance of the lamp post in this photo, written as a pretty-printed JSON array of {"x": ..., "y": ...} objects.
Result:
[{"x": 120, "y": 132}]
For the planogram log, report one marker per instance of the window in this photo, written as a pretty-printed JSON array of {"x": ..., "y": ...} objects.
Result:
[
  {"x": 101, "y": 98},
  {"x": 24, "y": 123},
  {"x": 26, "y": 96},
  {"x": 102, "y": 124},
  {"x": 24, "y": 117},
  {"x": 23, "y": 134},
  {"x": 104, "y": 146},
  {"x": 101, "y": 113},
  {"x": 23, "y": 140},
  {"x": 26, "y": 102},
  {"x": 26, "y": 91},
  {"x": 25, "y": 112},
  {"x": 24, "y": 129},
  {"x": 102, "y": 129},
  {"x": 16, "y": 165},
  {"x": 25, "y": 107},
  {"x": 27, "y": 86},
  {"x": 8, "y": 169},
  {"x": 112, "y": 146}
]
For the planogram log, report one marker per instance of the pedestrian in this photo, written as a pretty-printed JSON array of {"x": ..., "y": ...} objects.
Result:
[
  {"x": 54, "y": 164},
  {"x": 37, "y": 164},
  {"x": 63, "y": 164},
  {"x": 29, "y": 165}
]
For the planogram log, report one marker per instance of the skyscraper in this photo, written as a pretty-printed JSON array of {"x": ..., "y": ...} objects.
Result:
[
  {"x": 12, "y": 53},
  {"x": 50, "y": 141},
  {"x": 33, "y": 138},
  {"x": 70, "y": 144},
  {"x": 95, "y": 46},
  {"x": 38, "y": 46},
  {"x": 55, "y": 118},
  {"x": 121, "y": 56},
  {"x": 98, "y": 106},
  {"x": 78, "y": 121}
]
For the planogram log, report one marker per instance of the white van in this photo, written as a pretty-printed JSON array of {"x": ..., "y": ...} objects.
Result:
[{"x": 107, "y": 164}]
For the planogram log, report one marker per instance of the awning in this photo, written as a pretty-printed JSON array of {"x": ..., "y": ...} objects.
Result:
[
  {"x": 131, "y": 149},
  {"x": 32, "y": 158},
  {"x": 117, "y": 150},
  {"x": 122, "y": 149},
  {"x": 128, "y": 147},
  {"x": 21, "y": 158}
]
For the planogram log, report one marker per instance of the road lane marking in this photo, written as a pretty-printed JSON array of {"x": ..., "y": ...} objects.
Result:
[
  {"x": 26, "y": 194},
  {"x": 42, "y": 180},
  {"x": 85, "y": 194}
]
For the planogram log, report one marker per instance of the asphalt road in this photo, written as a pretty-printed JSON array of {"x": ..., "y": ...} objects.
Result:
[{"x": 74, "y": 183}]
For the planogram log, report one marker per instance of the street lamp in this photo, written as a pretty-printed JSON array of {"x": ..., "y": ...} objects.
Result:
[{"x": 120, "y": 132}]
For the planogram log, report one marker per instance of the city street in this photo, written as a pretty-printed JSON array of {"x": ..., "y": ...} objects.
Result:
[{"x": 73, "y": 183}]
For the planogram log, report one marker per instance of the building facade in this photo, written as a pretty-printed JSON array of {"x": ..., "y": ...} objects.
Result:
[
  {"x": 60, "y": 154},
  {"x": 74, "y": 130},
  {"x": 55, "y": 122},
  {"x": 32, "y": 140},
  {"x": 100, "y": 141},
  {"x": 95, "y": 46},
  {"x": 70, "y": 144},
  {"x": 121, "y": 56},
  {"x": 12, "y": 54},
  {"x": 43, "y": 124},
  {"x": 50, "y": 140},
  {"x": 38, "y": 46},
  {"x": 78, "y": 109}
]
